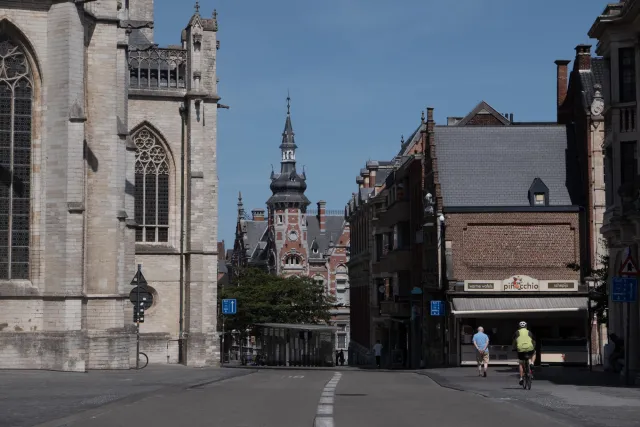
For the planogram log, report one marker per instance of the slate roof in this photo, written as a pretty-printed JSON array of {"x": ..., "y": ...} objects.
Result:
[
  {"x": 496, "y": 165},
  {"x": 333, "y": 230},
  {"x": 589, "y": 79}
]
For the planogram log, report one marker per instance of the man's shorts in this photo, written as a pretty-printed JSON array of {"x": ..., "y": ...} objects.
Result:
[
  {"x": 524, "y": 355},
  {"x": 482, "y": 357}
]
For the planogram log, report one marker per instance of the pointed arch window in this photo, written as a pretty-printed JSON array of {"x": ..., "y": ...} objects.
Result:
[
  {"x": 152, "y": 188},
  {"x": 16, "y": 99}
]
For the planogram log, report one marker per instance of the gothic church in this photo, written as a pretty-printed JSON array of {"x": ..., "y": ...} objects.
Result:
[{"x": 107, "y": 160}]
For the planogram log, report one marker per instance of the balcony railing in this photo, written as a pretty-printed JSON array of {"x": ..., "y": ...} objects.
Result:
[
  {"x": 395, "y": 308},
  {"x": 627, "y": 115},
  {"x": 158, "y": 69}
]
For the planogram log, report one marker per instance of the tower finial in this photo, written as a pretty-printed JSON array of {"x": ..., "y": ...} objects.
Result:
[
  {"x": 401, "y": 140},
  {"x": 197, "y": 7},
  {"x": 288, "y": 103},
  {"x": 422, "y": 116},
  {"x": 240, "y": 196}
]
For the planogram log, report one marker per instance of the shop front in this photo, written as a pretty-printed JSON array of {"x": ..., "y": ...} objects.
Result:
[{"x": 556, "y": 313}]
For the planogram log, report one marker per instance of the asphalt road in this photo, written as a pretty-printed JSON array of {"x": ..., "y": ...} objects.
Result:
[{"x": 278, "y": 398}]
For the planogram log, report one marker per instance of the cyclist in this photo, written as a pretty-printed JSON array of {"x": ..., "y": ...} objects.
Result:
[{"x": 525, "y": 344}]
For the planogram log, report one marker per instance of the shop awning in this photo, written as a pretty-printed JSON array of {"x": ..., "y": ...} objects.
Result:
[{"x": 505, "y": 305}]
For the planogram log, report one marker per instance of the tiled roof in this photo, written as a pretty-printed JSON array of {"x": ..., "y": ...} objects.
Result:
[
  {"x": 495, "y": 165},
  {"x": 589, "y": 79}
]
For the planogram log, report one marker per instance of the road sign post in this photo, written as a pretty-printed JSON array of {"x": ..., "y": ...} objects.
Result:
[
  {"x": 625, "y": 290},
  {"x": 229, "y": 306}
]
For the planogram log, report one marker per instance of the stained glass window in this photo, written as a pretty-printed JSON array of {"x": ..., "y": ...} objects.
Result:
[
  {"x": 152, "y": 188},
  {"x": 16, "y": 97}
]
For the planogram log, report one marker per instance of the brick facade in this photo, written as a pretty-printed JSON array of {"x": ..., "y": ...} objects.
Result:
[{"x": 499, "y": 245}]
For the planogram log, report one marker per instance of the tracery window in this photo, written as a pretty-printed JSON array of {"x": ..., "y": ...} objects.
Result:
[
  {"x": 16, "y": 97},
  {"x": 152, "y": 189}
]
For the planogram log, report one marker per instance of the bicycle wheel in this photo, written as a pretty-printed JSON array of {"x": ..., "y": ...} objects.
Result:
[{"x": 144, "y": 360}]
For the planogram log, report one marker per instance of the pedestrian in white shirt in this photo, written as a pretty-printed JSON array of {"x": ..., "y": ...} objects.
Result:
[{"x": 377, "y": 350}]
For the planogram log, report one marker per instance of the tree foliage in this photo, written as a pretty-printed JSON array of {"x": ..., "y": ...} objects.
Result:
[
  {"x": 599, "y": 294},
  {"x": 266, "y": 298}
]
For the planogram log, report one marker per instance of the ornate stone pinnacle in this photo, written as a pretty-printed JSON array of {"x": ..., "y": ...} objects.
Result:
[{"x": 197, "y": 7}]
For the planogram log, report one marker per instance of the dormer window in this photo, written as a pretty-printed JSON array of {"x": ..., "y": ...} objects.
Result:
[
  {"x": 315, "y": 250},
  {"x": 538, "y": 193},
  {"x": 280, "y": 219}
]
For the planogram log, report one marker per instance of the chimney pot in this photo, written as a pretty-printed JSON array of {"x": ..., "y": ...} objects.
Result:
[
  {"x": 511, "y": 117},
  {"x": 583, "y": 57},
  {"x": 257, "y": 214}
]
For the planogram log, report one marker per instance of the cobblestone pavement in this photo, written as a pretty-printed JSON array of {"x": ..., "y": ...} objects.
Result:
[
  {"x": 29, "y": 398},
  {"x": 591, "y": 399}
]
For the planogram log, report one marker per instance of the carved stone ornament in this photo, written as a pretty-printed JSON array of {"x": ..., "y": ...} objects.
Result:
[
  {"x": 597, "y": 106},
  {"x": 197, "y": 39}
]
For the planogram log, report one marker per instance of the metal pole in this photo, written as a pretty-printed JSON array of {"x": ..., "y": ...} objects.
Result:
[
  {"x": 590, "y": 330},
  {"x": 137, "y": 308},
  {"x": 222, "y": 352},
  {"x": 626, "y": 345}
]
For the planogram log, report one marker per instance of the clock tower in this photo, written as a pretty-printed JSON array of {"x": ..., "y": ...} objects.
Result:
[{"x": 287, "y": 206}]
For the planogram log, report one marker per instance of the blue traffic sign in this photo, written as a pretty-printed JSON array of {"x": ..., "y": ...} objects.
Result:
[
  {"x": 437, "y": 308},
  {"x": 229, "y": 306},
  {"x": 624, "y": 289}
]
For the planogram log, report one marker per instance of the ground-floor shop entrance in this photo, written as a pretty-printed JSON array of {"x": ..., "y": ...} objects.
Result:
[{"x": 560, "y": 325}]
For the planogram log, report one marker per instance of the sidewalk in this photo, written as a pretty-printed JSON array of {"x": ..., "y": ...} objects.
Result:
[
  {"x": 29, "y": 398},
  {"x": 591, "y": 398}
]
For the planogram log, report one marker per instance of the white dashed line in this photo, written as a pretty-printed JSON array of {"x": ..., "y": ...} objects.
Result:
[{"x": 324, "y": 414}]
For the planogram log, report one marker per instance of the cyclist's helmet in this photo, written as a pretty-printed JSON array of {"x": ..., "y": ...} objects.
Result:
[{"x": 522, "y": 324}]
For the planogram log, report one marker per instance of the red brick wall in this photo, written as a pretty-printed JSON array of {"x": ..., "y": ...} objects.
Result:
[{"x": 498, "y": 245}]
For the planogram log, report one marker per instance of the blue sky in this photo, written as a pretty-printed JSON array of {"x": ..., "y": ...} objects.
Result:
[{"x": 361, "y": 71}]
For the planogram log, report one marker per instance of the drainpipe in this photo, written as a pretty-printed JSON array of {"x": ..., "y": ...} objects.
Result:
[{"x": 183, "y": 115}]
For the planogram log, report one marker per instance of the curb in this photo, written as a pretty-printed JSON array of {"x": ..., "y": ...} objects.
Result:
[{"x": 133, "y": 398}]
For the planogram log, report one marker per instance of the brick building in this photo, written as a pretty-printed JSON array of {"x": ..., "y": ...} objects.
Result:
[
  {"x": 294, "y": 240},
  {"x": 510, "y": 228},
  {"x": 91, "y": 184}
]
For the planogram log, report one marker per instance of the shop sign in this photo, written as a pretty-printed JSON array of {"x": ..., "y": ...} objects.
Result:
[{"x": 521, "y": 283}]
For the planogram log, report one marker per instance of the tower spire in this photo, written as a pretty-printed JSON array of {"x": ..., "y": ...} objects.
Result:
[
  {"x": 240, "y": 206},
  {"x": 288, "y": 146}
]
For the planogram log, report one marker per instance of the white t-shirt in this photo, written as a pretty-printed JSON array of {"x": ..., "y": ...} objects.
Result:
[{"x": 377, "y": 348}]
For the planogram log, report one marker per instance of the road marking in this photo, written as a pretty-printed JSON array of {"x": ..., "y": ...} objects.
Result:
[{"x": 324, "y": 414}]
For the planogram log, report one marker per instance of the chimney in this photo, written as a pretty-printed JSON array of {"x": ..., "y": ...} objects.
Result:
[
  {"x": 321, "y": 215},
  {"x": 562, "y": 80},
  {"x": 583, "y": 57},
  {"x": 373, "y": 166},
  {"x": 430, "y": 122},
  {"x": 365, "y": 174},
  {"x": 258, "y": 214},
  {"x": 360, "y": 181},
  {"x": 511, "y": 117}
]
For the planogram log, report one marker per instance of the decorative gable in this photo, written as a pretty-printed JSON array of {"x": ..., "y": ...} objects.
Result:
[{"x": 484, "y": 115}]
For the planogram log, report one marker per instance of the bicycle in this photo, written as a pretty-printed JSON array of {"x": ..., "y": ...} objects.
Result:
[
  {"x": 528, "y": 376},
  {"x": 143, "y": 359}
]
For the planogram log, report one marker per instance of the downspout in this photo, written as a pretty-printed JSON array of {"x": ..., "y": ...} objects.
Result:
[{"x": 183, "y": 114}]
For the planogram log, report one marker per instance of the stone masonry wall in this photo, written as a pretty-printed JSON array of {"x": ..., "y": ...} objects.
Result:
[{"x": 498, "y": 245}]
